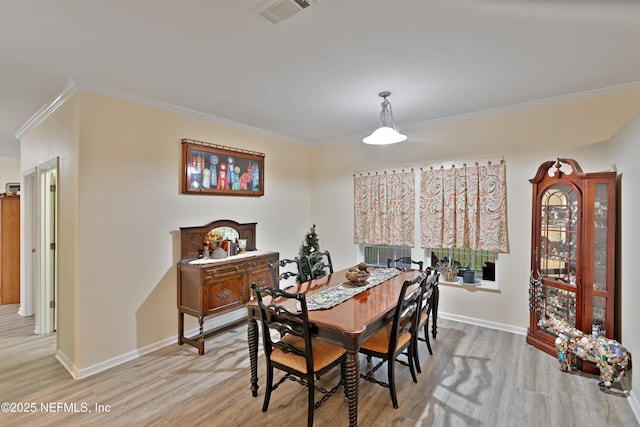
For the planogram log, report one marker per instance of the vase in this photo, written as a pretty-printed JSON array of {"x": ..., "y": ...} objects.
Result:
[{"x": 218, "y": 253}]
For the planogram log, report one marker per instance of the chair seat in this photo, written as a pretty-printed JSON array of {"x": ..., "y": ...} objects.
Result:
[
  {"x": 324, "y": 353},
  {"x": 379, "y": 342}
]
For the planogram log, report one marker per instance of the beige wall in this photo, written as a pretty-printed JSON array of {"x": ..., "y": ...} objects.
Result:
[
  {"x": 128, "y": 209},
  {"x": 9, "y": 171},
  {"x": 57, "y": 137},
  {"x": 624, "y": 152}
]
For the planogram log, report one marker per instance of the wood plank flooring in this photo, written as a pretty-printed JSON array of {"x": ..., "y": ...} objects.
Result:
[{"x": 476, "y": 377}]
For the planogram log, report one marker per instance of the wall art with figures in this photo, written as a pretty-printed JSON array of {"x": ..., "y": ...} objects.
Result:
[{"x": 219, "y": 170}]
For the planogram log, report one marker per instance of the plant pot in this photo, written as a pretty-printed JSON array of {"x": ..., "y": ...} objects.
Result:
[
  {"x": 468, "y": 275},
  {"x": 450, "y": 276}
]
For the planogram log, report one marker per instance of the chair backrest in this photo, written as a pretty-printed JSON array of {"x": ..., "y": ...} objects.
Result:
[
  {"x": 406, "y": 316},
  {"x": 404, "y": 262},
  {"x": 286, "y": 314},
  {"x": 431, "y": 280},
  {"x": 284, "y": 269},
  {"x": 318, "y": 264}
]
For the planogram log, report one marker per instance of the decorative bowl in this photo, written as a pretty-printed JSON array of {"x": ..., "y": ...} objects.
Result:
[{"x": 358, "y": 278}]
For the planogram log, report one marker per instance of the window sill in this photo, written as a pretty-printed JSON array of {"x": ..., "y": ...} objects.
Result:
[{"x": 484, "y": 285}]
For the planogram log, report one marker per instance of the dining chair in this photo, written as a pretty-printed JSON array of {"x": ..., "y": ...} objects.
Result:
[
  {"x": 404, "y": 262},
  {"x": 295, "y": 352},
  {"x": 284, "y": 269},
  {"x": 426, "y": 305},
  {"x": 396, "y": 338},
  {"x": 318, "y": 264}
]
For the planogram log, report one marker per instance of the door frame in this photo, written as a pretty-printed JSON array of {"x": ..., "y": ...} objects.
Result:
[
  {"x": 39, "y": 286},
  {"x": 48, "y": 238}
]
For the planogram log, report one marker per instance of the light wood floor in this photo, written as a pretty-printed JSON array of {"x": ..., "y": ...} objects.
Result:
[{"x": 476, "y": 377}]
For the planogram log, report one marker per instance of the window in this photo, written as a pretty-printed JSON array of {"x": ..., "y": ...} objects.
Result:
[
  {"x": 482, "y": 261},
  {"x": 379, "y": 254}
]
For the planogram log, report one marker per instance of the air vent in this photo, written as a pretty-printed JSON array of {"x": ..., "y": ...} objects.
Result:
[{"x": 276, "y": 11}]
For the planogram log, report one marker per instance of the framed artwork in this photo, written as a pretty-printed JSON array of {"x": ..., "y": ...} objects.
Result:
[{"x": 218, "y": 170}]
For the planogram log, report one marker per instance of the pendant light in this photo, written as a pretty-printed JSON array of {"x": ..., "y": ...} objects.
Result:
[{"x": 388, "y": 133}]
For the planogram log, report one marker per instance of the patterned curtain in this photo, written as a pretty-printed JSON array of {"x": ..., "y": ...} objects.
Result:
[
  {"x": 464, "y": 208},
  {"x": 384, "y": 209}
]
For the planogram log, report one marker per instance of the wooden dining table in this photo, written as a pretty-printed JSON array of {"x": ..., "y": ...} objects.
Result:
[{"x": 348, "y": 324}]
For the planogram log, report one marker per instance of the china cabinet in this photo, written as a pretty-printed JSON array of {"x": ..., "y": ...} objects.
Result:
[{"x": 573, "y": 250}]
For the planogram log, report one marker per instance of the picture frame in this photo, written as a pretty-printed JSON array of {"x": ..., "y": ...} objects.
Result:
[{"x": 206, "y": 170}]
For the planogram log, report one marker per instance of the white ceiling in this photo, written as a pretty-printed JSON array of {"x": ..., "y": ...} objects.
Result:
[{"x": 315, "y": 77}]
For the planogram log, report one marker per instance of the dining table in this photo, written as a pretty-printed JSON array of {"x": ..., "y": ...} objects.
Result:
[{"x": 346, "y": 322}]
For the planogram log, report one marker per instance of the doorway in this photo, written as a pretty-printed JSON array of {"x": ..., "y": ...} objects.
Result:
[
  {"x": 39, "y": 285},
  {"x": 46, "y": 321},
  {"x": 28, "y": 245}
]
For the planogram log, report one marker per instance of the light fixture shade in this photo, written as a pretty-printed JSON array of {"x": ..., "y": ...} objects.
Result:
[
  {"x": 384, "y": 136},
  {"x": 388, "y": 133}
]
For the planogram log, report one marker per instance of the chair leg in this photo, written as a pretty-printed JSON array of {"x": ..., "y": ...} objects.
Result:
[
  {"x": 392, "y": 383},
  {"x": 410, "y": 352},
  {"x": 426, "y": 336},
  {"x": 267, "y": 392},
  {"x": 415, "y": 354},
  {"x": 311, "y": 386},
  {"x": 427, "y": 341}
]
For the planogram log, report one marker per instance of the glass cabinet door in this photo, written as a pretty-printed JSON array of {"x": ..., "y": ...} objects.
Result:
[
  {"x": 558, "y": 250},
  {"x": 600, "y": 232}
]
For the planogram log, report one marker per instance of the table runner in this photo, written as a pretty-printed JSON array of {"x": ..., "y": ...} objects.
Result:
[{"x": 338, "y": 294}]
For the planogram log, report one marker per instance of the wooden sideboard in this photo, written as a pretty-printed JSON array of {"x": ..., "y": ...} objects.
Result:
[
  {"x": 209, "y": 287},
  {"x": 9, "y": 249}
]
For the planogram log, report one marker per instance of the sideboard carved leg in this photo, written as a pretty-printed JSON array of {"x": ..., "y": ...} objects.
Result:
[
  {"x": 351, "y": 385},
  {"x": 201, "y": 336},
  {"x": 180, "y": 328},
  {"x": 252, "y": 338}
]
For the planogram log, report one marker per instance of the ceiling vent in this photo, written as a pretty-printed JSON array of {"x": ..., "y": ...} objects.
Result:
[{"x": 276, "y": 11}]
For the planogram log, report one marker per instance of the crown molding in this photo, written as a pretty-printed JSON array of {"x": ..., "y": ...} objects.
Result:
[
  {"x": 48, "y": 108},
  {"x": 609, "y": 90},
  {"x": 127, "y": 96},
  {"x": 71, "y": 87}
]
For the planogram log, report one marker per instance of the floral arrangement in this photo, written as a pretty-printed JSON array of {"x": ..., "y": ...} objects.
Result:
[{"x": 213, "y": 239}]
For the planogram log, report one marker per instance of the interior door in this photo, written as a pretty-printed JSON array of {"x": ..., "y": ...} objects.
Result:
[
  {"x": 29, "y": 283},
  {"x": 49, "y": 238}
]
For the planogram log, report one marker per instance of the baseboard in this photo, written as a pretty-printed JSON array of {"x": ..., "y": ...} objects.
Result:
[
  {"x": 66, "y": 363},
  {"x": 218, "y": 322},
  {"x": 483, "y": 323},
  {"x": 635, "y": 405}
]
